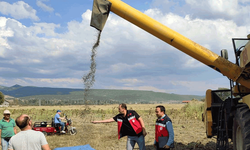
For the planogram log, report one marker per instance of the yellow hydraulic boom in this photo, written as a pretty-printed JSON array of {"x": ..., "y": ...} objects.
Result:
[{"x": 177, "y": 40}]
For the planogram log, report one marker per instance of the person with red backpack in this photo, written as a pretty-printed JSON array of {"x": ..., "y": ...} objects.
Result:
[{"x": 130, "y": 124}]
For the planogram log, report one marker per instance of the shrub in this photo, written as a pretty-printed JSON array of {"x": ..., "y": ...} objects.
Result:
[
  {"x": 1, "y": 97},
  {"x": 193, "y": 110}
]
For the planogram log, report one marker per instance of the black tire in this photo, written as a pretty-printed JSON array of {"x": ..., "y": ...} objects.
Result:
[
  {"x": 241, "y": 128},
  {"x": 73, "y": 132},
  {"x": 45, "y": 133}
]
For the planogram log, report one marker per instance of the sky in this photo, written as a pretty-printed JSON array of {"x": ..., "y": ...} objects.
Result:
[{"x": 47, "y": 43}]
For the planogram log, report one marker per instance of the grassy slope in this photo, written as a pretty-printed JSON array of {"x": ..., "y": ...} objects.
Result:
[{"x": 127, "y": 96}]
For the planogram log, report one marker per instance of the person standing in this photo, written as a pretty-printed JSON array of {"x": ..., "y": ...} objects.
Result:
[
  {"x": 7, "y": 129},
  {"x": 27, "y": 139},
  {"x": 164, "y": 132},
  {"x": 58, "y": 121},
  {"x": 130, "y": 124}
]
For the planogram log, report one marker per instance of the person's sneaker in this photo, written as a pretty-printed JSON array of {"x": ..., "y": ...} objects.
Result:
[{"x": 62, "y": 131}]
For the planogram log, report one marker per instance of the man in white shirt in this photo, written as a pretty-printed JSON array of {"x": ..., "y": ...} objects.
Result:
[{"x": 27, "y": 139}]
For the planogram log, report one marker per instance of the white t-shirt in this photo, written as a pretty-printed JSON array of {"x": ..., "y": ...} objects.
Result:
[{"x": 27, "y": 140}]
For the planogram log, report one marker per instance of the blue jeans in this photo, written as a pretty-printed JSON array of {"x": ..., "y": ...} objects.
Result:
[
  {"x": 62, "y": 124},
  {"x": 135, "y": 139},
  {"x": 4, "y": 144}
]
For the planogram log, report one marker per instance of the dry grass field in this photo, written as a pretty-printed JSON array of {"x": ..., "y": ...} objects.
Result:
[{"x": 188, "y": 127}]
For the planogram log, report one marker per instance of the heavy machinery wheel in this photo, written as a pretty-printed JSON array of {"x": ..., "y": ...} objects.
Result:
[
  {"x": 73, "y": 132},
  {"x": 241, "y": 128}
]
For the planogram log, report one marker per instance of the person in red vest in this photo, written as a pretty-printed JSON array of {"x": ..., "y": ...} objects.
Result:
[
  {"x": 130, "y": 124},
  {"x": 164, "y": 133}
]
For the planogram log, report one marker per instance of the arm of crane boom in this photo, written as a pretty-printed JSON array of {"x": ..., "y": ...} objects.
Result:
[{"x": 171, "y": 37}]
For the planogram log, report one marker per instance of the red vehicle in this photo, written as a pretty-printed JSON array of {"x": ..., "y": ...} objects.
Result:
[{"x": 48, "y": 128}]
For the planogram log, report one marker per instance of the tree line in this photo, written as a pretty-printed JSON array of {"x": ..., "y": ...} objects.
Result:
[{"x": 42, "y": 102}]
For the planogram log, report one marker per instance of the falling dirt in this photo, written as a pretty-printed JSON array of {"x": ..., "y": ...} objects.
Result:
[{"x": 89, "y": 79}]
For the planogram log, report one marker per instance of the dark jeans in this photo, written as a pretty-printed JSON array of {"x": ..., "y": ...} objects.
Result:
[
  {"x": 60, "y": 124},
  {"x": 157, "y": 147}
]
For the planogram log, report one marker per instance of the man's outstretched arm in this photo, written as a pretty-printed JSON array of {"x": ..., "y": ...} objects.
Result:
[{"x": 104, "y": 121}]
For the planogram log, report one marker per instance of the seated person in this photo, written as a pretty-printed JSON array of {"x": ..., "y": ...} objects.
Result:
[{"x": 58, "y": 121}]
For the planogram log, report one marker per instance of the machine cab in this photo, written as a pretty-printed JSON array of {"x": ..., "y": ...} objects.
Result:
[{"x": 242, "y": 51}]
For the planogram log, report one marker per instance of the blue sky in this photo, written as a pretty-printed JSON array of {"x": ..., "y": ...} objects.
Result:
[{"x": 48, "y": 43}]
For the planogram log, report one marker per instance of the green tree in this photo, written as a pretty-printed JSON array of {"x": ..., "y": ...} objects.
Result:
[{"x": 1, "y": 97}]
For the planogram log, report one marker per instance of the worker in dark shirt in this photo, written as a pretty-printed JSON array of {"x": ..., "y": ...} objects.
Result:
[{"x": 130, "y": 124}]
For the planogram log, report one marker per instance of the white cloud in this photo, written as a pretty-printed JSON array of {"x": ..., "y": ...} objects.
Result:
[
  {"x": 44, "y": 82},
  {"x": 56, "y": 80},
  {"x": 216, "y": 6},
  {"x": 5, "y": 69},
  {"x": 210, "y": 9},
  {"x": 200, "y": 86},
  {"x": 18, "y": 10},
  {"x": 244, "y": 1},
  {"x": 44, "y": 28},
  {"x": 44, "y": 6},
  {"x": 192, "y": 63},
  {"x": 129, "y": 82},
  {"x": 142, "y": 88},
  {"x": 125, "y": 67},
  {"x": 37, "y": 43},
  {"x": 12, "y": 82},
  {"x": 57, "y": 14},
  {"x": 228, "y": 10}
]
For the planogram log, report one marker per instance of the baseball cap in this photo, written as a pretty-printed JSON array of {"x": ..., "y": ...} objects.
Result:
[
  {"x": 6, "y": 112},
  {"x": 58, "y": 111}
]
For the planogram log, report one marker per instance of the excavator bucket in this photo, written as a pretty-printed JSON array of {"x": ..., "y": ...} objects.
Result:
[{"x": 100, "y": 12}]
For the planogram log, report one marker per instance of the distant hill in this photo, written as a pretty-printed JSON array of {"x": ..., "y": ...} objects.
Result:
[
  {"x": 23, "y": 91},
  {"x": 95, "y": 96},
  {"x": 138, "y": 96}
]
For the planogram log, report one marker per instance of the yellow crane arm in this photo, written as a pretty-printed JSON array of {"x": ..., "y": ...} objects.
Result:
[{"x": 178, "y": 41}]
